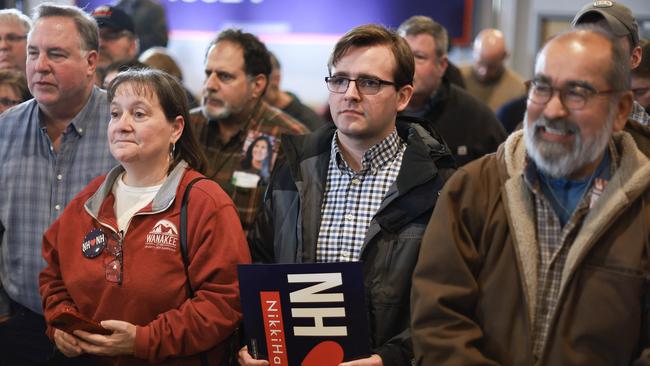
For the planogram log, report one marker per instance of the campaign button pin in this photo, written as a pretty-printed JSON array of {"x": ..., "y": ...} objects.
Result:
[{"x": 93, "y": 244}]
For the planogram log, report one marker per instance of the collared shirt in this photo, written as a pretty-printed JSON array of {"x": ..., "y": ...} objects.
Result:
[
  {"x": 554, "y": 241},
  {"x": 229, "y": 164},
  {"x": 639, "y": 114},
  {"x": 38, "y": 182},
  {"x": 351, "y": 198}
]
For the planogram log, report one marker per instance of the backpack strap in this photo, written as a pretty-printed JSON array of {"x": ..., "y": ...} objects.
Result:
[{"x": 186, "y": 261}]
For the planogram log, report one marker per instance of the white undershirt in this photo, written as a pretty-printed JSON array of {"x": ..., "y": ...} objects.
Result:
[{"x": 129, "y": 200}]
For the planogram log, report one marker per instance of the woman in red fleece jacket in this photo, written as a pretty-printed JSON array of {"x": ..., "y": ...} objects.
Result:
[{"x": 114, "y": 254}]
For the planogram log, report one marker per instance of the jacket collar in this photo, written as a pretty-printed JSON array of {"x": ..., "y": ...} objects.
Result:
[
  {"x": 631, "y": 179},
  {"x": 308, "y": 158},
  {"x": 161, "y": 201}
]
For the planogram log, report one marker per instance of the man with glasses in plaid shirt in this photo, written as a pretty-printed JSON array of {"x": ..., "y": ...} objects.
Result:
[
  {"x": 361, "y": 189},
  {"x": 539, "y": 254}
]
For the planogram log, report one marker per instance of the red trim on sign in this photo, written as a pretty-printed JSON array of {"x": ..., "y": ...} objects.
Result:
[{"x": 274, "y": 328}]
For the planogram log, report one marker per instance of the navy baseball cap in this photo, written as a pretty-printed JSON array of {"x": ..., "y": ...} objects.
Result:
[{"x": 114, "y": 18}]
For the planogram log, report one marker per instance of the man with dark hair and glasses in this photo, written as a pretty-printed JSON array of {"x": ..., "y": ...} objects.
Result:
[
  {"x": 538, "y": 254},
  {"x": 361, "y": 189},
  {"x": 14, "y": 27}
]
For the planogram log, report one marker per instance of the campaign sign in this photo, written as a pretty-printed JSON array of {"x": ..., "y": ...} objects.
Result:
[{"x": 309, "y": 314}]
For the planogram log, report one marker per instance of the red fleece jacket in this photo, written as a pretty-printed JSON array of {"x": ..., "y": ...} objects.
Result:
[{"x": 153, "y": 294}]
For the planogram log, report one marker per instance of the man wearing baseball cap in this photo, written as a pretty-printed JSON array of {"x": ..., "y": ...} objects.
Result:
[
  {"x": 117, "y": 40},
  {"x": 616, "y": 19}
]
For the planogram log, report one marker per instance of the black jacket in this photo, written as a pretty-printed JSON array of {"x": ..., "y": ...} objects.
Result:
[
  {"x": 286, "y": 230},
  {"x": 468, "y": 126}
]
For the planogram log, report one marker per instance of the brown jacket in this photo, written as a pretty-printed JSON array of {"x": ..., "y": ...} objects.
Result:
[
  {"x": 641, "y": 135},
  {"x": 474, "y": 286}
]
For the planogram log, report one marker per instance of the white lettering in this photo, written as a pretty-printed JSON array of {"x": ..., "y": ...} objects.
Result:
[
  {"x": 319, "y": 329},
  {"x": 325, "y": 281}
]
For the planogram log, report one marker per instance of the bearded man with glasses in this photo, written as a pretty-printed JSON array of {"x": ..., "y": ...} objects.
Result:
[
  {"x": 538, "y": 254},
  {"x": 361, "y": 189}
]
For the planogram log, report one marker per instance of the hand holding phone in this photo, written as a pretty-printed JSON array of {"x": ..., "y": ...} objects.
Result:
[{"x": 68, "y": 319}]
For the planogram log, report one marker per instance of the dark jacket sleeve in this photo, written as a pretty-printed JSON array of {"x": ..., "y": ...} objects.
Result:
[
  {"x": 445, "y": 290},
  {"x": 261, "y": 234},
  {"x": 398, "y": 351}
]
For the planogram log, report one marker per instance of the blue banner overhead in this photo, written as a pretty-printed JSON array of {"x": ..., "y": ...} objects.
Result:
[{"x": 308, "y": 17}]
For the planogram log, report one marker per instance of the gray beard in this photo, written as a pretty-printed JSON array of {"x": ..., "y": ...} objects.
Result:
[
  {"x": 225, "y": 113},
  {"x": 556, "y": 159}
]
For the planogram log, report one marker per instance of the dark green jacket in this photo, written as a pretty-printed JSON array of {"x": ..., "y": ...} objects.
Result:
[{"x": 286, "y": 230}]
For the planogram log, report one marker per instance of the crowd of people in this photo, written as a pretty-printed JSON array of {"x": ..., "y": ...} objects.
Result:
[{"x": 498, "y": 221}]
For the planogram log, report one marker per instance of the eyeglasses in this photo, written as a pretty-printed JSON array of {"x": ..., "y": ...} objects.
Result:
[
  {"x": 113, "y": 263},
  {"x": 367, "y": 86},
  {"x": 6, "y": 102},
  {"x": 639, "y": 92},
  {"x": 572, "y": 96},
  {"x": 13, "y": 38}
]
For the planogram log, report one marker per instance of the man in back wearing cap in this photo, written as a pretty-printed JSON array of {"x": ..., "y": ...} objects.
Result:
[
  {"x": 616, "y": 19},
  {"x": 641, "y": 77},
  {"x": 117, "y": 40}
]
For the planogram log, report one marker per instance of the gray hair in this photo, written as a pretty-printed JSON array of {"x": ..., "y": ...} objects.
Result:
[
  {"x": 618, "y": 75},
  {"x": 420, "y": 24},
  {"x": 86, "y": 25},
  {"x": 13, "y": 15}
]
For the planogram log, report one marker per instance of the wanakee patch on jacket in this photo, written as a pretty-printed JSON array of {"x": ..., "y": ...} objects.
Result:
[{"x": 163, "y": 236}]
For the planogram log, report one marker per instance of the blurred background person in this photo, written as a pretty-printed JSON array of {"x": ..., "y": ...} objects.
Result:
[
  {"x": 641, "y": 77},
  {"x": 13, "y": 89},
  {"x": 488, "y": 78},
  {"x": 450, "y": 110},
  {"x": 114, "y": 69},
  {"x": 511, "y": 114},
  {"x": 617, "y": 19},
  {"x": 150, "y": 20},
  {"x": 14, "y": 27},
  {"x": 51, "y": 147},
  {"x": 233, "y": 113},
  {"x": 117, "y": 39},
  {"x": 287, "y": 101},
  {"x": 159, "y": 58},
  {"x": 129, "y": 220}
]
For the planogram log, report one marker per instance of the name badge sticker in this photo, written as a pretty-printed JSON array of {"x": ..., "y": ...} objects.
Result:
[{"x": 93, "y": 244}]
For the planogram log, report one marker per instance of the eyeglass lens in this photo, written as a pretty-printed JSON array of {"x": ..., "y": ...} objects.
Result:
[{"x": 12, "y": 38}]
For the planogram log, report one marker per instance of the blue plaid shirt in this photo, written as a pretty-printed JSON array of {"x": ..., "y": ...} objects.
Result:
[
  {"x": 37, "y": 183},
  {"x": 351, "y": 198}
]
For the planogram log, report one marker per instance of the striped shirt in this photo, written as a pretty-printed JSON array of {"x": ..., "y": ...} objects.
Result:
[
  {"x": 351, "y": 198},
  {"x": 38, "y": 182}
]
